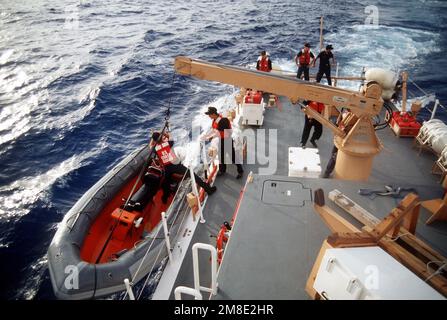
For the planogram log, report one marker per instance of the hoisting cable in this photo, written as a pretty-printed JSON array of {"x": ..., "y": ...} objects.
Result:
[
  {"x": 149, "y": 157},
  {"x": 146, "y": 164},
  {"x": 142, "y": 171}
]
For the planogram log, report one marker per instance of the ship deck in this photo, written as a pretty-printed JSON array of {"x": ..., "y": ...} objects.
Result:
[{"x": 274, "y": 246}]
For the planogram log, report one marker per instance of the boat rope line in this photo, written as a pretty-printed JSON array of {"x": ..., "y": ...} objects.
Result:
[
  {"x": 150, "y": 246},
  {"x": 143, "y": 168},
  {"x": 150, "y": 272},
  {"x": 142, "y": 260},
  {"x": 161, "y": 248},
  {"x": 165, "y": 128}
]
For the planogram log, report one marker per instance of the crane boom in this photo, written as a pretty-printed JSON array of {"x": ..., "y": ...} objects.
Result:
[{"x": 367, "y": 103}]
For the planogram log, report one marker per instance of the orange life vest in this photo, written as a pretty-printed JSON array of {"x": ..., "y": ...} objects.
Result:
[
  {"x": 264, "y": 64},
  {"x": 220, "y": 241},
  {"x": 317, "y": 106},
  {"x": 253, "y": 97},
  {"x": 225, "y": 133},
  {"x": 165, "y": 153},
  {"x": 304, "y": 58}
]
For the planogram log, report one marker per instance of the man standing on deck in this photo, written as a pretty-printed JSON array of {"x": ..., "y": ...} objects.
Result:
[
  {"x": 264, "y": 63},
  {"x": 222, "y": 128},
  {"x": 325, "y": 65},
  {"x": 310, "y": 122},
  {"x": 303, "y": 60}
]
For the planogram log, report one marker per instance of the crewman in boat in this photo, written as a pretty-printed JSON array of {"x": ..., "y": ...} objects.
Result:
[
  {"x": 310, "y": 122},
  {"x": 303, "y": 60},
  {"x": 264, "y": 63},
  {"x": 325, "y": 64},
  {"x": 171, "y": 160},
  {"x": 222, "y": 128}
]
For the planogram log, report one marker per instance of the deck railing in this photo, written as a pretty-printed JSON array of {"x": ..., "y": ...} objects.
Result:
[{"x": 195, "y": 260}]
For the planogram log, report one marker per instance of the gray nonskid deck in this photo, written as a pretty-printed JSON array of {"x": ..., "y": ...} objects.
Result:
[
  {"x": 272, "y": 248},
  {"x": 397, "y": 164}
]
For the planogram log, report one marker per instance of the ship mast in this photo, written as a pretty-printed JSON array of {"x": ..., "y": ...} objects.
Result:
[{"x": 321, "y": 33}]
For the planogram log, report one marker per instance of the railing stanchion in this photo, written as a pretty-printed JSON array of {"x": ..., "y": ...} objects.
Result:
[
  {"x": 434, "y": 109},
  {"x": 192, "y": 292},
  {"x": 196, "y": 193},
  {"x": 129, "y": 289}
]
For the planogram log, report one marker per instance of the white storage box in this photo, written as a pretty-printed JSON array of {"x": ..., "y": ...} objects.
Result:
[
  {"x": 368, "y": 273},
  {"x": 252, "y": 113},
  {"x": 304, "y": 163}
]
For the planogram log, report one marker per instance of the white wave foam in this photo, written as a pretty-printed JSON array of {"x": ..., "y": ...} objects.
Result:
[
  {"x": 5, "y": 56},
  {"x": 4, "y": 244},
  {"x": 285, "y": 65},
  {"x": 92, "y": 94},
  {"x": 425, "y": 99},
  {"x": 17, "y": 79},
  {"x": 16, "y": 120},
  {"x": 16, "y": 198},
  {"x": 69, "y": 121},
  {"x": 202, "y": 121},
  {"x": 392, "y": 48},
  {"x": 33, "y": 279}
]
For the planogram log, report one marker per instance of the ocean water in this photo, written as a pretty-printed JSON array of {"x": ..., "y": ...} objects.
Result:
[{"x": 83, "y": 82}]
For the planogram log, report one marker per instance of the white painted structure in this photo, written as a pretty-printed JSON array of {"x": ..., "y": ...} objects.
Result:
[
  {"x": 368, "y": 273},
  {"x": 304, "y": 163}
]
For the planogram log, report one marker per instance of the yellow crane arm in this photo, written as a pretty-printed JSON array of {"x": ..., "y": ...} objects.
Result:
[{"x": 367, "y": 103}]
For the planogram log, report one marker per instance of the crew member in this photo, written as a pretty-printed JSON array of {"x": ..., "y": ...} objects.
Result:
[
  {"x": 171, "y": 160},
  {"x": 303, "y": 60},
  {"x": 310, "y": 122},
  {"x": 325, "y": 65},
  {"x": 222, "y": 128},
  {"x": 346, "y": 127},
  {"x": 264, "y": 63}
]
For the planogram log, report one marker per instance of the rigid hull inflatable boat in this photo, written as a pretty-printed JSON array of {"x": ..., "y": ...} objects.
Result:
[{"x": 105, "y": 238}]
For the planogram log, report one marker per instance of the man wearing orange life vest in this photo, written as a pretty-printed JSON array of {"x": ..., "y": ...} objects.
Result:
[
  {"x": 222, "y": 127},
  {"x": 171, "y": 160},
  {"x": 264, "y": 63},
  {"x": 309, "y": 123},
  {"x": 303, "y": 60}
]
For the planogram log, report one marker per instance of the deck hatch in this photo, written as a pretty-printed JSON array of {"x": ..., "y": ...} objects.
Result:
[{"x": 285, "y": 193}]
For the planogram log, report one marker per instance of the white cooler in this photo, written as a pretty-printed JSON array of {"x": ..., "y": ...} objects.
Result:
[
  {"x": 304, "y": 163},
  {"x": 253, "y": 113}
]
